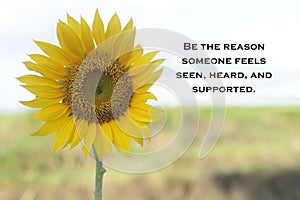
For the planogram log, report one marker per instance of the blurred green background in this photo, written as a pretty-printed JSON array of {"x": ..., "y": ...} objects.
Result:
[{"x": 256, "y": 158}]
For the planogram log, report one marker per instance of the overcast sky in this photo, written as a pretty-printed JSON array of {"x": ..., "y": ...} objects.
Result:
[{"x": 275, "y": 23}]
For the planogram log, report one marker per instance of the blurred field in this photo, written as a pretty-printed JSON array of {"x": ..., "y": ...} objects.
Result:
[{"x": 256, "y": 158}]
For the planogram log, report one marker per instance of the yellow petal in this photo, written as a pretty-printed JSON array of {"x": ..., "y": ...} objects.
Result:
[
  {"x": 142, "y": 97},
  {"x": 142, "y": 70},
  {"x": 139, "y": 115},
  {"x": 128, "y": 58},
  {"x": 123, "y": 59},
  {"x": 99, "y": 146},
  {"x": 142, "y": 126},
  {"x": 146, "y": 131},
  {"x": 82, "y": 128},
  {"x": 90, "y": 136},
  {"x": 70, "y": 41},
  {"x": 155, "y": 114},
  {"x": 49, "y": 73},
  {"x": 37, "y": 80},
  {"x": 50, "y": 127},
  {"x": 86, "y": 35},
  {"x": 146, "y": 68},
  {"x": 71, "y": 136},
  {"x": 143, "y": 89},
  {"x": 129, "y": 25},
  {"x": 51, "y": 112},
  {"x": 113, "y": 27},
  {"x": 98, "y": 29},
  {"x": 54, "y": 52},
  {"x": 142, "y": 106},
  {"x": 128, "y": 127},
  {"x": 140, "y": 141},
  {"x": 75, "y": 26},
  {"x": 63, "y": 134},
  {"x": 144, "y": 59},
  {"x": 49, "y": 64},
  {"x": 124, "y": 43},
  {"x": 76, "y": 139},
  {"x": 156, "y": 111},
  {"x": 107, "y": 47},
  {"x": 106, "y": 130},
  {"x": 139, "y": 124},
  {"x": 45, "y": 91},
  {"x": 40, "y": 102},
  {"x": 102, "y": 145},
  {"x": 121, "y": 140},
  {"x": 158, "y": 61},
  {"x": 139, "y": 81},
  {"x": 85, "y": 151}
]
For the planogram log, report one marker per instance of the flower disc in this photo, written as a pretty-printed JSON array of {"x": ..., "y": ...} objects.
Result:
[{"x": 99, "y": 90}]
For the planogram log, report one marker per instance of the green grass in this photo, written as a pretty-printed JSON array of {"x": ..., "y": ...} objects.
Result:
[
  {"x": 254, "y": 139},
  {"x": 26, "y": 159}
]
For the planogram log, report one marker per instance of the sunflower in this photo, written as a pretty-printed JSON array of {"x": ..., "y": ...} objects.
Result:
[{"x": 93, "y": 86}]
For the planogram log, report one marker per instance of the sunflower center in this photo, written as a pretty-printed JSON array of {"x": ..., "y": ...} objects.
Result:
[
  {"x": 98, "y": 87},
  {"x": 99, "y": 90}
]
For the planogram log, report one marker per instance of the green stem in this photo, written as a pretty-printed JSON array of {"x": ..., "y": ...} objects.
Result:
[{"x": 100, "y": 170}]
